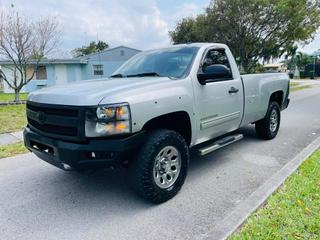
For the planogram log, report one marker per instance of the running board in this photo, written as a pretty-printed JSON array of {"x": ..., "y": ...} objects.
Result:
[{"x": 220, "y": 143}]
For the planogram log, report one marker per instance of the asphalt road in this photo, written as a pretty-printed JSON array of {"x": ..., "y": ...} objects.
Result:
[{"x": 39, "y": 201}]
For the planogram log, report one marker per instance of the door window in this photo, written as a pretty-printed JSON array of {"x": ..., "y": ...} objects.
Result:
[{"x": 215, "y": 57}]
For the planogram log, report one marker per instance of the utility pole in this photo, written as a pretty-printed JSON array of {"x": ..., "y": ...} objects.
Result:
[
  {"x": 314, "y": 67},
  {"x": 315, "y": 56}
]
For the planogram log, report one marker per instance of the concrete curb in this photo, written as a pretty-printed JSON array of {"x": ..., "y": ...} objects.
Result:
[
  {"x": 239, "y": 215},
  {"x": 10, "y": 138},
  {"x": 13, "y": 103}
]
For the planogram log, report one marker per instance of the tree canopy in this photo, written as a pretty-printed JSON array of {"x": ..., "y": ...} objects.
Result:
[
  {"x": 300, "y": 60},
  {"x": 253, "y": 29},
  {"x": 93, "y": 47}
]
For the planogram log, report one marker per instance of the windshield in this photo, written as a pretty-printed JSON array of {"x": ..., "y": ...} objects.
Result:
[{"x": 172, "y": 62}]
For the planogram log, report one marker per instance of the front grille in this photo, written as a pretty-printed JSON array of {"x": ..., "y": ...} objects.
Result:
[
  {"x": 54, "y": 111},
  {"x": 57, "y": 121},
  {"x": 54, "y": 129}
]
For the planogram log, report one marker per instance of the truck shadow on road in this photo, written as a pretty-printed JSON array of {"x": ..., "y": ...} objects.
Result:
[
  {"x": 214, "y": 159},
  {"x": 103, "y": 199},
  {"x": 107, "y": 190}
]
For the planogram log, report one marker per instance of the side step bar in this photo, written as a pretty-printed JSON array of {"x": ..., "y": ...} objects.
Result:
[{"x": 220, "y": 143}]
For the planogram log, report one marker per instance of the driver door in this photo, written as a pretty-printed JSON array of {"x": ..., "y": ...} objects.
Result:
[{"x": 219, "y": 101}]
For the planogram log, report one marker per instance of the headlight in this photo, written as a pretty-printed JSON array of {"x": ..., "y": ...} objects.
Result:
[{"x": 108, "y": 120}]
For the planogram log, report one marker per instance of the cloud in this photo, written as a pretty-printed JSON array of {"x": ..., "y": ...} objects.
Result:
[
  {"x": 313, "y": 46},
  {"x": 136, "y": 23},
  {"x": 174, "y": 14},
  {"x": 191, "y": 9},
  {"x": 141, "y": 24}
]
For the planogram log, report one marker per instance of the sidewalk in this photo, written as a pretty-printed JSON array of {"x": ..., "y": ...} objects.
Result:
[{"x": 10, "y": 138}]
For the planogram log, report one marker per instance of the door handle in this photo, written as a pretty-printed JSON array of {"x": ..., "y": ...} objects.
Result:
[{"x": 233, "y": 90}]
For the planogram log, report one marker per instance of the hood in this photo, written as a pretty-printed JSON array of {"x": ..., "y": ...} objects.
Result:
[{"x": 91, "y": 92}]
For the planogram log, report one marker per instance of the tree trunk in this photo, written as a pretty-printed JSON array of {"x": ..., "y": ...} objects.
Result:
[
  {"x": 17, "y": 95},
  {"x": 247, "y": 65}
]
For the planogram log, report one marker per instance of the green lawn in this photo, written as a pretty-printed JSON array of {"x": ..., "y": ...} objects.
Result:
[
  {"x": 12, "y": 149},
  {"x": 293, "y": 212},
  {"x": 12, "y": 118},
  {"x": 6, "y": 97},
  {"x": 294, "y": 89}
]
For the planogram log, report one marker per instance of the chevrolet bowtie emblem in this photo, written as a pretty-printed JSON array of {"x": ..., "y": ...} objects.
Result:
[{"x": 41, "y": 118}]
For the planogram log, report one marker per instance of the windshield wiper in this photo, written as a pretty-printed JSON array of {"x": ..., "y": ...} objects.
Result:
[
  {"x": 146, "y": 74},
  {"x": 119, "y": 75}
]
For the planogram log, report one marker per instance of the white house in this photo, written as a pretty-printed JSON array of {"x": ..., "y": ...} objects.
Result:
[{"x": 275, "y": 67}]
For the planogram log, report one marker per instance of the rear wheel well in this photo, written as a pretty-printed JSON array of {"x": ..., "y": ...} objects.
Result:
[
  {"x": 176, "y": 121},
  {"x": 277, "y": 97}
]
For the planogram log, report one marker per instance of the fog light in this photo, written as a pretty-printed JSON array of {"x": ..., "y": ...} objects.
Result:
[{"x": 66, "y": 167}]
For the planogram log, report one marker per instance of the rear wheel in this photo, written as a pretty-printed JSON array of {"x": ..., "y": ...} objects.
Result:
[
  {"x": 268, "y": 127},
  {"x": 160, "y": 168}
]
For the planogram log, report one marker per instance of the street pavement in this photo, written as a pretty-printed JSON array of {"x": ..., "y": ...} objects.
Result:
[{"x": 39, "y": 201}]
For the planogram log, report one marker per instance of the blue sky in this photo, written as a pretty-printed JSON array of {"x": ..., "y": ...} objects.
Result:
[{"x": 141, "y": 24}]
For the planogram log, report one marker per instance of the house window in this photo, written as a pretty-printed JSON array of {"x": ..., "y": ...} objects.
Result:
[
  {"x": 41, "y": 73},
  {"x": 98, "y": 70},
  {"x": 122, "y": 53}
]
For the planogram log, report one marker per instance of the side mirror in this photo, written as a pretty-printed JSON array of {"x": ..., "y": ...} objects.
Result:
[{"x": 214, "y": 73}]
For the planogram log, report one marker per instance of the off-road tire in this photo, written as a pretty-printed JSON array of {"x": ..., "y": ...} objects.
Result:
[
  {"x": 263, "y": 127},
  {"x": 140, "y": 171}
]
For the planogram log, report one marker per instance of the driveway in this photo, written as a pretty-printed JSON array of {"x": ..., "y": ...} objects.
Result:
[{"x": 38, "y": 201}]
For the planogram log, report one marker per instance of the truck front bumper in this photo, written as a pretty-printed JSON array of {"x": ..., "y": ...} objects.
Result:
[{"x": 95, "y": 153}]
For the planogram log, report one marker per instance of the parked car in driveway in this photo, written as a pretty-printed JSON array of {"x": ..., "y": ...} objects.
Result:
[{"x": 151, "y": 112}]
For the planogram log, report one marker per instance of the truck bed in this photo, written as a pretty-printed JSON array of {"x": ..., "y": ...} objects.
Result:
[{"x": 257, "y": 88}]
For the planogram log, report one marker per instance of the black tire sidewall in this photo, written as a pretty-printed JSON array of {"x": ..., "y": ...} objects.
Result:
[
  {"x": 263, "y": 126},
  {"x": 141, "y": 170},
  {"x": 274, "y": 106}
]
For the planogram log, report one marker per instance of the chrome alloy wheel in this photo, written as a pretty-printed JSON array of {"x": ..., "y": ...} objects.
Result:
[
  {"x": 167, "y": 167},
  {"x": 273, "y": 120}
]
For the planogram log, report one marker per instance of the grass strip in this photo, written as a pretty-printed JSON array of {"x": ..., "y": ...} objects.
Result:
[
  {"x": 12, "y": 149},
  {"x": 294, "y": 84},
  {"x": 6, "y": 97},
  {"x": 12, "y": 118},
  {"x": 294, "y": 89},
  {"x": 292, "y": 212}
]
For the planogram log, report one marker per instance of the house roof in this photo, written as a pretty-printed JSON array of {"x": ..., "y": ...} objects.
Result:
[
  {"x": 108, "y": 50},
  {"x": 78, "y": 60},
  {"x": 51, "y": 61},
  {"x": 274, "y": 65}
]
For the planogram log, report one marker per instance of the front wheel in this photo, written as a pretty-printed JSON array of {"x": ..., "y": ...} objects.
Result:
[
  {"x": 160, "y": 168},
  {"x": 268, "y": 127}
]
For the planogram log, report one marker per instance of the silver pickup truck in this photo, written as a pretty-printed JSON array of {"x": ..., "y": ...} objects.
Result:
[{"x": 151, "y": 112}]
